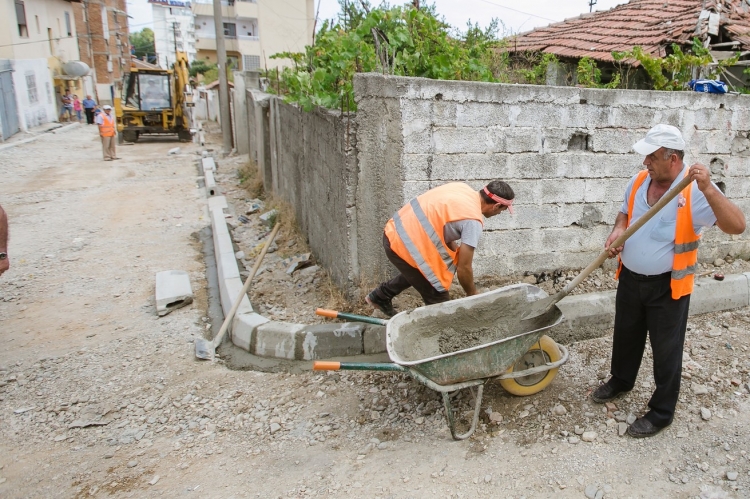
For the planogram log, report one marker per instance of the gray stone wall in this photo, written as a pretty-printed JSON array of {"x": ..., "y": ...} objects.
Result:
[{"x": 565, "y": 151}]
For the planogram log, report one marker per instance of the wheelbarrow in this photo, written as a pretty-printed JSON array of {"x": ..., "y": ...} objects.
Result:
[{"x": 494, "y": 340}]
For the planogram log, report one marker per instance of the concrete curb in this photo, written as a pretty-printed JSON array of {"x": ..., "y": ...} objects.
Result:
[
  {"x": 63, "y": 128},
  {"x": 586, "y": 316}
]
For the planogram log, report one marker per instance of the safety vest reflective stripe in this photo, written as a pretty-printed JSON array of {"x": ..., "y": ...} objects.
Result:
[
  {"x": 686, "y": 244},
  {"x": 416, "y": 255},
  {"x": 107, "y": 128},
  {"x": 430, "y": 231},
  {"x": 681, "y": 274},
  {"x": 685, "y": 247},
  {"x": 416, "y": 232}
]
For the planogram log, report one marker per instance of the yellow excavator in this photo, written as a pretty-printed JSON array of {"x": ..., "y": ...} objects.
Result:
[{"x": 155, "y": 101}]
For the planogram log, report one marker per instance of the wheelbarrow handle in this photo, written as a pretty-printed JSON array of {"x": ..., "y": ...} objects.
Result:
[
  {"x": 325, "y": 365},
  {"x": 333, "y": 314}
]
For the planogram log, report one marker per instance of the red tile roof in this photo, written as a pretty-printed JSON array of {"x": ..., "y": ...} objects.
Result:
[{"x": 651, "y": 24}]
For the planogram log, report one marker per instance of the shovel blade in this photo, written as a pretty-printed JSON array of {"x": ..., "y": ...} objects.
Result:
[
  {"x": 204, "y": 349},
  {"x": 540, "y": 308}
]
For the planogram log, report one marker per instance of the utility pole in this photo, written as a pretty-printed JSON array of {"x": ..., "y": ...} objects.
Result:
[
  {"x": 591, "y": 5},
  {"x": 221, "y": 56}
]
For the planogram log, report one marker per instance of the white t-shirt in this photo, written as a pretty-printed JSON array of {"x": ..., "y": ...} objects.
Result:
[{"x": 650, "y": 251}]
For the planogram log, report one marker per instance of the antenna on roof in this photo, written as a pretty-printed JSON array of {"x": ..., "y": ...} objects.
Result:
[{"x": 591, "y": 5}]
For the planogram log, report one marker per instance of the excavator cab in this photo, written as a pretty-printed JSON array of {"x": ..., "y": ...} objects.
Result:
[{"x": 155, "y": 101}]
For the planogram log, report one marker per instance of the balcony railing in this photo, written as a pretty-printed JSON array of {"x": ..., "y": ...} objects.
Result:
[{"x": 231, "y": 37}]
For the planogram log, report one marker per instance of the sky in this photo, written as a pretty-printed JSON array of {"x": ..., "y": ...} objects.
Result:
[{"x": 516, "y": 16}]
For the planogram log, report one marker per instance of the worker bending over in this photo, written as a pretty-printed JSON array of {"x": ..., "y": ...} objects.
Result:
[{"x": 421, "y": 241}]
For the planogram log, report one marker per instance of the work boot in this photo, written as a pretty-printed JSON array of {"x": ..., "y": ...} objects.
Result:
[
  {"x": 642, "y": 428},
  {"x": 385, "y": 306}
]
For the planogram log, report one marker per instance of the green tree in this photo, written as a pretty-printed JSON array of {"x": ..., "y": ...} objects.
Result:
[
  {"x": 403, "y": 41},
  {"x": 142, "y": 44}
]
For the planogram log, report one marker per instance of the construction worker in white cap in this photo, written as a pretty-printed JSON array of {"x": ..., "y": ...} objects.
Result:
[
  {"x": 108, "y": 133},
  {"x": 657, "y": 269}
]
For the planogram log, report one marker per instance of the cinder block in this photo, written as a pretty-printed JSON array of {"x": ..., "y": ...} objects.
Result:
[
  {"x": 522, "y": 140},
  {"x": 321, "y": 341},
  {"x": 710, "y": 295},
  {"x": 537, "y": 115},
  {"x": 276, "y": 339},
  {"x": 374, "y": 339},
  {"x": 559, "y": 191},
  {"x": 632, "y": 117},
  {"x": 465, "y": 167},
  {"x": 484, "y": 114},
  {"x": 467, "y": 140},
  {"x": 605, "y": 189},
  {"x": 211, "y": 189},
  {"x": 556, "y": 139},
  {"x": 172, "y": 291},
  {"x": 244, "y": 327},
  {"x": 583, "y": 116},
  {"x": 615, "y": 141}
]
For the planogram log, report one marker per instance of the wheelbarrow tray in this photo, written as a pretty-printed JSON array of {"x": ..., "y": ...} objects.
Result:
[{"x": 494, "y": 322}]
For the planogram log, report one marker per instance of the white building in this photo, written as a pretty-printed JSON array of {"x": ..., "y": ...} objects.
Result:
[
  {"x": 174, "y": 30},
  {"x": 254, "y": 31},
  {"x": 37, "y": 38}
]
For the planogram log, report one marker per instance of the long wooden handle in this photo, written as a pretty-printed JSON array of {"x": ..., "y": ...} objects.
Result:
[
  {"x": 666, "y": 198},
  {"x": 236, "y": 304}
]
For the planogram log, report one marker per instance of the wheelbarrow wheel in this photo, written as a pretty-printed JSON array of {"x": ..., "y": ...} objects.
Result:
[{"x": 544, "y": 351}]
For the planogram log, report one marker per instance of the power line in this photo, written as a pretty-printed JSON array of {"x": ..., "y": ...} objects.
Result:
[{"x": 519, "y": 11}]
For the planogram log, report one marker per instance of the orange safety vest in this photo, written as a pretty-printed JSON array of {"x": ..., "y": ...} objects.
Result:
[
  {"x": 107, "y": 128},
  {"x": 416, "y": 230},
  {"x": 686, "y": 241}
]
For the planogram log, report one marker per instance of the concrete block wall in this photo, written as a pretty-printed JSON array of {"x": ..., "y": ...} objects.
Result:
[
  {"x": 307, "y": 159},
  {"x": 565, "y": 151}
]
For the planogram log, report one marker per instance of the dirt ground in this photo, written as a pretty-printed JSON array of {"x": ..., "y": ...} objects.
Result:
[{"x": 100, "y": 398}]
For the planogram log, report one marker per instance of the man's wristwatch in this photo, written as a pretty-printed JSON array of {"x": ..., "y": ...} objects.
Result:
[{"x": 3, "y": 255}]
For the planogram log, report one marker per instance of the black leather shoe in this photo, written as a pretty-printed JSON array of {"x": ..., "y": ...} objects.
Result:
[
  {"x": 642, "y": 428},
  {"x": 605, "y": 393}
]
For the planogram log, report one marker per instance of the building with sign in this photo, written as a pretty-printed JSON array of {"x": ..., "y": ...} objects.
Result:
[
  {"x": 254, "y": 31},
  {"x": 174, "y": 30}
]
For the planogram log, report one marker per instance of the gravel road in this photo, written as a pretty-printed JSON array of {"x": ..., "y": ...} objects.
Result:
[{"x": 100, "y": 398}]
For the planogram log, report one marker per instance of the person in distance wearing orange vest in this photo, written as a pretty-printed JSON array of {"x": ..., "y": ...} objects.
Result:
[
  {"x": 657, "y": 269},
  {"x": 108, "y": 132},
  {"x": 421, "y": 241}
]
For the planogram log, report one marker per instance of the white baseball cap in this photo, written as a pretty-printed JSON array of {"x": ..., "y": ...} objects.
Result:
[
  {"x": 660, "y": 136},
  {"x": 106, "y": 107}
]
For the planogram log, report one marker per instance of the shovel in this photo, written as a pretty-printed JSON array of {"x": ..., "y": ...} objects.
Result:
[
  {"x": 541, "y": 307},
  {"x": 205, "y": 349}
]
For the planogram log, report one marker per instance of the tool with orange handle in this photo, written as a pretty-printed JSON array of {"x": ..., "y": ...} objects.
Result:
[
  {"x": 328, "y": 365},
  {"x": 333, "y": 314}
]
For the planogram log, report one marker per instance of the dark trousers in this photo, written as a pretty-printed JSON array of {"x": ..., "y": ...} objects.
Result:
[
  {"x": 409, "y": 276},
  {"x": 89, "y": 116},
  {"x": 645, "y": 304}
]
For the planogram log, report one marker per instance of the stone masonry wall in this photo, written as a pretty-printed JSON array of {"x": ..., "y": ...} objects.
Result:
[{"x": 565, "y": 151}]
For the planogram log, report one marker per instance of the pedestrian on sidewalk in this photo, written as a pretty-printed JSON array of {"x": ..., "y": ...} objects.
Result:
[
  {"x": 657, "y": 270},
  {"x": 89, "y": 105},
  {"x": 421, "y": 241},
  {"x": 77, "y": 107},
  {"x": 67, "y": 106},
  {"x": 4, "y": 260},
  {"x": 108, "y": 132}
]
